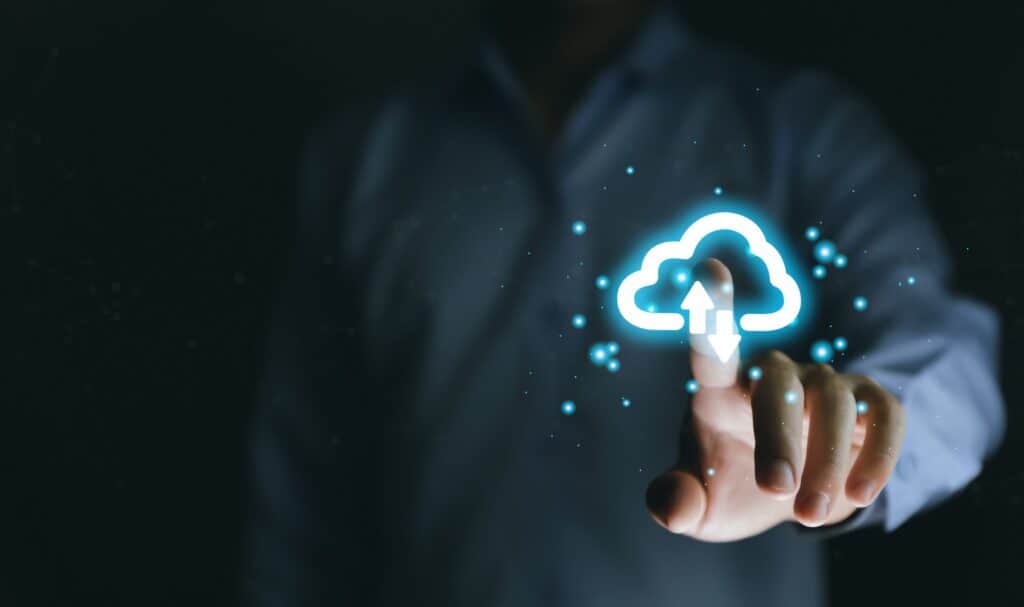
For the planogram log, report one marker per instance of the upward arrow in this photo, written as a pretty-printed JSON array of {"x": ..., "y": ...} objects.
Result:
[{"x": 697, "y": 302}]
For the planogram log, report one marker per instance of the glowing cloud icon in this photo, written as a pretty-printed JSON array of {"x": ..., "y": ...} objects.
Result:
[{"x": 696, "y": 301}]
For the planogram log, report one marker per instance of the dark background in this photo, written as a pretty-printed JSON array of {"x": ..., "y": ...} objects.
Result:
[{"x": 146, "y": 156}]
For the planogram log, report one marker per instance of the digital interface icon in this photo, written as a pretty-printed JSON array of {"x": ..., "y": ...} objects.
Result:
[{"x": 698, "y": 304}]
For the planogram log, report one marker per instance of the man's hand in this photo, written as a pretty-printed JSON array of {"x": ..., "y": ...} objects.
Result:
[{"x": 788, "y": 446}]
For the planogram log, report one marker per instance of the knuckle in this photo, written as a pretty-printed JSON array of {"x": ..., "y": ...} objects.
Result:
[
  {"x": 870, "y": 384},
  {"x": 822, "y": 379},
  {"x": 859, "y": 379},
  {"x": 818, "y": 373},
  {"x": 823, "y": 371},
  {"x": 889, "y": 411},
  {"x": 775, "y": 358}
]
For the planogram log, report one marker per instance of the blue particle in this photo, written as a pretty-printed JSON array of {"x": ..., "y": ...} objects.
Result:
[
  {"x": 812, "y": 233},
  {"x": 711, "y": 471},
  {"x": 755, "y": 373},
  {"x": 825, "y": 251},
  {"x": 839, "y": 344},
  {"x": 821, "y": 351},
  {"x": 579, "y": 227},
  {"x": 692, "y": 386},
  {"x": 598, "y": 354},
  {"x": 579, "y": 321},
  {"x": 718, "y": 190},
  {"x": 790, "y": 396},
  {"x": 602, "y": 282},
  {"x": 911, "y": 280},
  {"x": 860, "y": 303},
  {"x": 613, "y": 365},
  {"x": 819, "y": 271},
  {"x": 626, "y": 402},
  {"x": 630, "y": 170},
  {"x": 862, "y": 407},
  {"x": 568, "y": 407},
  {"x": 652, "y": 308},
  {"x": 612, "y": 347},
  {"x": 681, "y": 277},
  {"x": 839, "y": 261}
]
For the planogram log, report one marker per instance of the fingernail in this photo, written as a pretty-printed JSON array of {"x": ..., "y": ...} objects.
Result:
[
  {"x": 863, "y": 491},
  {"x": 779, "y": 476},
  {"x": 814, "y": 506}
]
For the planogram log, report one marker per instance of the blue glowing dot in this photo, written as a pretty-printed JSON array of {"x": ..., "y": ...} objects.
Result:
[
  {"x": 911, "y": 280},
  {"x": 812, "y": 233},
  {"x": 819, "y": 271},
  {"x": 839, "y": 344},
  {"x": 718, "y": 190},
  {"x": 825, "y": 251},
  {"x": 626, "y": 402},
  {"x": 755, "y": 373},
  {"x": 821, "y": 351},
  {"x": 613, "y": 365},
  {"x": 602, "y": 282},
  {"x": 630, "y": 170},
  {"x": 579, "y": 321},
  {"x": 652, "y": 308},
  {"x": 711, "y": 471},
  {"x": 839, "y": 261},
  {"x": 790, "y": 396},
  {"x": 568, "y": 407},
  {"x": 612, "y": 347},
  {"x": 579, "y": 227},
  {"x": 862, "y": 407},
  {"x": 692, "y": 386},
  {"x": 860, "y": 303},
  {"x": 598, "y": 354},
  {"x": 681, "y": 277}
]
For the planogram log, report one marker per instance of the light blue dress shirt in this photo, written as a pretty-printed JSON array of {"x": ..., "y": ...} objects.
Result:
[{"x": 410, "y": 447}]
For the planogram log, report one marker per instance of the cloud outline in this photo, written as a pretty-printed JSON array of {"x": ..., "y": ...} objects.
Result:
[{"x": 684, "y": 249}]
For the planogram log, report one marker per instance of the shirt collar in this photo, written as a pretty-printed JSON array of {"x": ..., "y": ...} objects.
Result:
[{"x": 658, "y": 42}]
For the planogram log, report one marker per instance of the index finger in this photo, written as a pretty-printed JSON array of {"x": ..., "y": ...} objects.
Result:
[{"x": 714, "y": 330}]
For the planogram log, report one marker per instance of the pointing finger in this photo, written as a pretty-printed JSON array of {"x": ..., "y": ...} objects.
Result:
[{"x": 713, "y": 278}]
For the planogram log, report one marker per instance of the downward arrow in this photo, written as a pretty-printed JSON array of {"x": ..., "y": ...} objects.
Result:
[
  {"x": 724, "y": 341},
  {"x": 697, "y": 302}
]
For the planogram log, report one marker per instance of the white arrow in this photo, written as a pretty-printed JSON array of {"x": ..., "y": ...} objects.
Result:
[
  {"x": 697, "y": 302},
  {"x": 724, "y": 341}
]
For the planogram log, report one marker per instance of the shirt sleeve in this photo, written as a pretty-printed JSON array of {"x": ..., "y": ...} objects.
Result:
[
  {"x": 308, "y": 432},
  {"x": 932, "y": 348}
]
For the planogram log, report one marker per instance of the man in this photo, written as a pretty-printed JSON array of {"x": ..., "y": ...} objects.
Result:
[{"x": 412, "y": 447}]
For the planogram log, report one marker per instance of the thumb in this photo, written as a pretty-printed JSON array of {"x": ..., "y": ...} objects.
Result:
[
  {"x": 708, "y": 369},
  {"x": 677, "y": 501}
]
